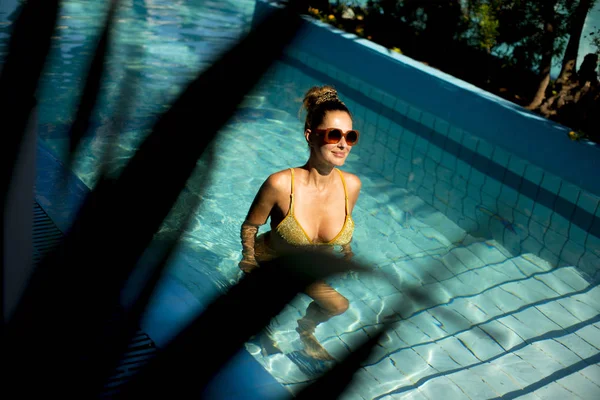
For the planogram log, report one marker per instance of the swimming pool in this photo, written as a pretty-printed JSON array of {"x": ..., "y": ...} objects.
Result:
[{"x": 505, "y": 317}]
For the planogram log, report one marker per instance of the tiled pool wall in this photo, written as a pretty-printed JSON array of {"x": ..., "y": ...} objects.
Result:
[{"x": 486, "y": 186}]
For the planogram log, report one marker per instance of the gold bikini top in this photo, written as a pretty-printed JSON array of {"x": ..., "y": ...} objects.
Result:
[{"x": 290, "y": 230}]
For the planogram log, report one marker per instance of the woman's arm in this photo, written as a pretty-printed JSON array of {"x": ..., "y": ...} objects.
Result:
[
  {"x": 259, "y": 212},
  {"x": 353, "y": 186}
]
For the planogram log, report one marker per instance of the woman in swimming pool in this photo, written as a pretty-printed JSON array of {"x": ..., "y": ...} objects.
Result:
[{"x": 310, "y": 206}]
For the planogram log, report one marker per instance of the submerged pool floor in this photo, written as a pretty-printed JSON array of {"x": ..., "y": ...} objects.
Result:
[{"x": 487, "y": 323}]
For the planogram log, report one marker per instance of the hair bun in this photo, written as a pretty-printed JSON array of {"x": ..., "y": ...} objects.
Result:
[
  {"x": 319, "y": 95},
  {"x": 317, "y": 101}
]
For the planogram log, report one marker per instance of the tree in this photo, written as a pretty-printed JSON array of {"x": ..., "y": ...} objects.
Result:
[
  {"x": 548, "y": 13},
  {"x": 575, "y": 30}
]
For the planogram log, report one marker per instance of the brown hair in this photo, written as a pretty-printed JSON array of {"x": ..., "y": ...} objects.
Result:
[{"x": 317, "y": 101}]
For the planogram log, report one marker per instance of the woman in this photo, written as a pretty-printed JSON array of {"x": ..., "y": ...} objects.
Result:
[{"x": 309, "y": 205}]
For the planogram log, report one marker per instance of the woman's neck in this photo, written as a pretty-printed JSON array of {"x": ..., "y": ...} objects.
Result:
[{"x": 319, "y": 174}]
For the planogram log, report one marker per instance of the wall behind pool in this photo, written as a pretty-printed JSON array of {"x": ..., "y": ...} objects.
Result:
[{"x": 494, "y": 168}]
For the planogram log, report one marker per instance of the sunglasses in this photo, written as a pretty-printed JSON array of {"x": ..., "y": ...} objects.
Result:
[{"x": 334, "y": 135}]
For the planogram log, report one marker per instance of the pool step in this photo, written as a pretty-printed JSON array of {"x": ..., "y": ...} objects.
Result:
[{"x": 506, "y": 319}]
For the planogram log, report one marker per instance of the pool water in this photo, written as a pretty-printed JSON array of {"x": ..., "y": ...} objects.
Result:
[{"x": 489, "y": 323}]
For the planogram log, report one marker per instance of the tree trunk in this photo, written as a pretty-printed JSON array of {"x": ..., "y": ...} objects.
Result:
[
  {"x": 547, "y": 53},
  {"x": 570, "y": 58}
]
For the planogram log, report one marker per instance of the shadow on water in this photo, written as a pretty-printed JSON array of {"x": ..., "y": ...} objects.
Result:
[{"x": 73, "y": 298}]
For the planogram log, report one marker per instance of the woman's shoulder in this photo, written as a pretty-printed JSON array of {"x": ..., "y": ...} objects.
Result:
[
  {"x": 279, "y": 181},
  {"x": 352, "y": 181}
]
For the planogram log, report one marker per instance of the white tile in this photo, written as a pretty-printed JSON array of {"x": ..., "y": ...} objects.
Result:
[
  {"x": 503, "y": 335},
  {"x": 412, "y": 365},
  {"x": 558, "y": 352},
  {"x": 554, "y": 391},
  {"x": 517, "y": 165},
  {"x": 590, "y": 334},
  {"x": 436, "y": 357},
  {"x": 480, "y": 343},
  {"x": 572, "y": 277},
  {"x": 579, "y": 309},
  {"x": 558, "y": 314},
  {"x": 520, "y": 371},
  {"x": 541, "y": 361},
  {"x": 442, "y": 387},
  {"x": 580, "y": 385},
  {"x": 592, "y": 373},
  {"x": 473, "y": 385},
  {"x": 499, "y": 379}
]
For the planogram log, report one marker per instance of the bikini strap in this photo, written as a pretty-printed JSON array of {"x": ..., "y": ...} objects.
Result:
[
  {"x": 345, "y": 190},
  {"x": 291, "y": 211}
]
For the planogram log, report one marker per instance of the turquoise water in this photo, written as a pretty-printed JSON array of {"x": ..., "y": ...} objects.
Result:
[{"x": 491, "y": 323}]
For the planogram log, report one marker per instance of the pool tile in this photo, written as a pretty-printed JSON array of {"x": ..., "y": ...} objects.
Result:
[
  {"x": 578, "y": 346},
  {"x": 442, "y": 387},
  {"x": 401, "y": 107},
  {"x": 523, "y": 330},
  {"x": 569, "y": 192},
  {"x": 455, "y": 133},
  {"x": 498, "y": 378},
  {"x": 413, "y": 113},
  {"x": 590, "y": 334},
  {"x": 503, "y": 335},
  {"x": 572, "y": 252},
  {"x": 537, "y": 230},
  {"x": 388, "y": 375},
  {"x": 554, "y": 240},
  {"x": 577, "y": 235},
  {"x": 473, "y": 385},
  {"x": 520, "y": 371},
  {"x": 480, "y": 343},
  {"x": 560, "y": 224},
  {"x": 580, "y": 385},
  {"x": 582, "y": 219},
  {"x": 542, "y": 214},
  {"x": 525, "y": 205},
  {"x": 485, "y": 149},
  {"x": 435, "y": 153},
  {"x": 449, "y": 161},
  {"x": 501, "y": 157},
  {"x": 409, "y": 333},
  {"x": 540, "y": 360},
  {"x": 408, "y": 138},
  {"x": 588, "y": 202},
  {"x": 470, "y": 142},
  {"x": 558, "y": 314},
  {"x": 555, "y": 283},
  {"x": 517, "y": 165},
  {"x": 554, "y": 391},
  {"x": 532, "y": 245},
  {"x": 592, "y": 373},
  {"x": 558, "y": 352},
  {"x": 578, "y": 309},
  {"x": 436, "y": 357},
  {"x": 463, "y": 169},
  {"x": 412, "y": 365}
]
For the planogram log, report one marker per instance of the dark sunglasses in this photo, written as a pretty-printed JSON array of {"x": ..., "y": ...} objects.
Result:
[{"x": 334, "y": 135}]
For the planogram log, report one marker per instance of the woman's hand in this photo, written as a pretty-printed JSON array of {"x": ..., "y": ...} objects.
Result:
[{"x": 247, "y": 266}]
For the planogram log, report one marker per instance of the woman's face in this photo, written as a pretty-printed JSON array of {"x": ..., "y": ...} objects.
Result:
[{"x": 334, "y": 154}]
